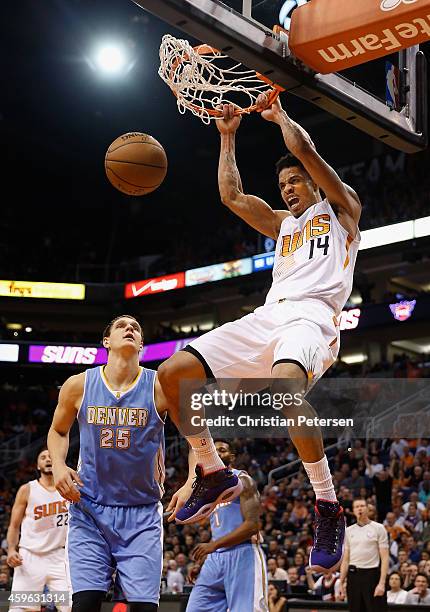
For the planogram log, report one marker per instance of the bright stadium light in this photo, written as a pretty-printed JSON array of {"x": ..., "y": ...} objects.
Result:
[{"x": 111, "y": 59}]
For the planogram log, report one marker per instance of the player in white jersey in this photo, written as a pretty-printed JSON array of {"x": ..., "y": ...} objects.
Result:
[
  {"x": 294, "y": 337},
  {"x": 38, "y": 554}
]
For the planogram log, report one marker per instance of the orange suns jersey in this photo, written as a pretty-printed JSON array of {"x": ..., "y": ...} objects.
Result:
[
  {"x": 44, "y": 526},
  {"x": 314, "y": 259}
]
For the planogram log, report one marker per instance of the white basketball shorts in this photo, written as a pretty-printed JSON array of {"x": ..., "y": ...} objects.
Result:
[
  {"x": 38, "y": 570},
  {"x": 305, "y": 333}
]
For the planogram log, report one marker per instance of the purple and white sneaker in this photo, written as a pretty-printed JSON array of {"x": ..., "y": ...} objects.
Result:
[
  {"x": 327, "y": 551},
  {"x": 209, "y": 491}
]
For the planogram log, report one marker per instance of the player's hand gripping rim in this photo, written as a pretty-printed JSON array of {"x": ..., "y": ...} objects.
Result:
[{"x": 229, "y": 122}]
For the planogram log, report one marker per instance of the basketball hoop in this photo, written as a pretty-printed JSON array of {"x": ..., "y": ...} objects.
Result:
[{"x": 203, "y": 78}]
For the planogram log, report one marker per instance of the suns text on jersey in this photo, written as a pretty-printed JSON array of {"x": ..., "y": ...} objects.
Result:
[
  {"x": 318, "y": 226},
  {"x": 57, "y": 507},
  {"x": 112, "y": 415}
]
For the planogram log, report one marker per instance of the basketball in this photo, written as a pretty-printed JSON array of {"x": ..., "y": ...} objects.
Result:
[{"x": 136, "y": 163}]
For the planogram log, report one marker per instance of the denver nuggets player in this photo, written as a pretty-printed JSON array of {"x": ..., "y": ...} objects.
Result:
[
  {"x": 116, "y": 516},
  {"x": 234, "y": 575},
  {"x": 294, "y": 336},
  {"x": 39, "y": 558}
]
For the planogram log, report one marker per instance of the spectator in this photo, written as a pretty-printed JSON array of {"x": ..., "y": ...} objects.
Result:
[
  {"x": 193, "y": 572},
  {"x": 412, "y": 573},
  {"x": 182, "y": 561},
  {"x": 407, "y": 459},
  {"x": 402, "y": 557},
  {"x": 4, "y": 581},
  {"x": 397, "y": 448},
  {"x": 383, "y": 483},
  {"x": 420, "y": 594},
  {"x": 413, "y": 549},
  {"x": 396, "y": 594},
  {"x": 276, "y": 601},
  {"x": 300, "y": 564},
  {"x": 392, "y": 526},
  {"x": 354, "y": 482},
  {"x": 175, "y": 578},
  {"x": 413, "y": 521},
  {"x": 293, "y": 576},
  {"x": 275, "y": 572},
  {"x": 282, "y": 562},
  {"x": 424, "y": 488},
  {"x": 416, "y": 476},
  {"x": 405, "y": 575},
  {"x": 373, "y": 467},
  {"x": 164, "y": 571},
  {"x": 325, "y": 587},
  {"x": 413, "y": 498}
]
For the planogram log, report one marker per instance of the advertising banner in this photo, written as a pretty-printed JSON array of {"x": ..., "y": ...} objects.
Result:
[
  {"x": 93, "y": 355},
  {"x": 155, "y": 285},
  {"x": 9, "y": 352},
  {"x": 216, "y": 272},
  {"x": 53, "y": 291}
]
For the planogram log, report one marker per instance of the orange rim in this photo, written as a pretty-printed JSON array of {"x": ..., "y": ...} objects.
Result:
[{"x": 272, "y": 94}]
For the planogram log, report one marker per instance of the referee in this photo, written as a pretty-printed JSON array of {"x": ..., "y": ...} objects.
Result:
[{"x": 365, "y": 562}]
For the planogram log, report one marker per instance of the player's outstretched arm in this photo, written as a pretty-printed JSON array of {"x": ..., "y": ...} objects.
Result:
[
  {"x": 69, "y": 401},
  {"x": 255, "y": 211},
  {"x": 14, "y": 559},
  {"x": 250, "y": 508},
  {"x": 181, "y": 495},
  {"x": 299, "y": 143}
]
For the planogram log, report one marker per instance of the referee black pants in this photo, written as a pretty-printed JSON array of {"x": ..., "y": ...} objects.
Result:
[{"x": 360, "y": 586}]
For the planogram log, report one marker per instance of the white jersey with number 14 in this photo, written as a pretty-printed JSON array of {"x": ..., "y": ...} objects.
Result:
[{"x": 314, "y": 259}]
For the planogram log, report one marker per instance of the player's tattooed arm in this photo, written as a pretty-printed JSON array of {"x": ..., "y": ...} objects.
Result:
[
  {"x": 253, "y": 210},
  {"x": 343, "y": 199},
  {"x": 251, "y": 508},
  {"x": 14, "y": 559},
  {"x": 69, "y": 400}
]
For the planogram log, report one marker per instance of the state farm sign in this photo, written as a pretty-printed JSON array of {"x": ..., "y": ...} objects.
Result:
[
  {"x": 329, "y": 39},
  {"x": 155, "y": 285}
]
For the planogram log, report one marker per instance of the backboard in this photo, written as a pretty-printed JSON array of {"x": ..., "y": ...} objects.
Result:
[{"x": 243, "y": 30}]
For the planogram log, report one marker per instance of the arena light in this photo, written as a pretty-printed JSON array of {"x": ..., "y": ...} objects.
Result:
[
  {"x": 14, "y": 326},
  {"x": 111, "y": 59},
  {"x": 354, "y": 358}
]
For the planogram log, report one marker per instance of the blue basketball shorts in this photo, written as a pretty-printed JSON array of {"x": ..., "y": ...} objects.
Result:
[
  {"x": 233, "y": 580},
  {"x": 125, "y": 539}
]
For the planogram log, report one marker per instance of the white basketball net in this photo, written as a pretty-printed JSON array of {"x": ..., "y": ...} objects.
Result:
[{"x": 203, "y": 78}]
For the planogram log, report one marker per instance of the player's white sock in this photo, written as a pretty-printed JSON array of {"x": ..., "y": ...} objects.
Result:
[
  {"x": 321, "y": 480},
  {"x": 205, "y": 452}
]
